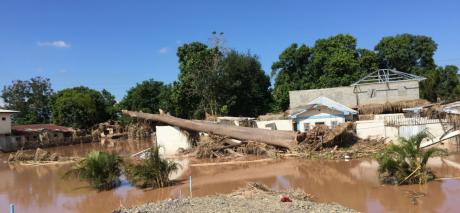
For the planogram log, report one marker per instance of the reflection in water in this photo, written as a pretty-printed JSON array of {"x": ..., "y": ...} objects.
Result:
[{"x": 353, "y": 184}]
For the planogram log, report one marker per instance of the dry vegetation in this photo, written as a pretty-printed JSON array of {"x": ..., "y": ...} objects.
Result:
[{"x": 321, "y": 142}]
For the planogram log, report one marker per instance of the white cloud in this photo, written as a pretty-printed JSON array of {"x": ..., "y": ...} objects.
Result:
[
  {"x": 163, "y": 50},
  {"x": 57, "y": 44}
]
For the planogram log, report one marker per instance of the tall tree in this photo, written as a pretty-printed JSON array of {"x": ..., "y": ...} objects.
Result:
[
  {"x": 147, "y": 96},
  {"x": 414, "y": 54},
  {"x": 243, "y": 87},
  {"x": 407, "y": 53},
  {"x": 290, "y": 71},
  {"x": 448, "y": 84},
  {"x": 30, "y": 98},
  {"x": 331, "y": 62},
  {"x": 196, "y": 87},
  {"x": 79, "y": 107}
]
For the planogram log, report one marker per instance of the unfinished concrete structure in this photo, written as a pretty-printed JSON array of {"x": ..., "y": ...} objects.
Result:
[{"x": 379, "y": 87}]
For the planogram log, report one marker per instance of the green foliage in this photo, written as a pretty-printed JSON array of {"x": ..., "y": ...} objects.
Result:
[
  {"x": 414, "y": 54},
  {"x": 101, "y": 169},
  {"x": 243, "y": 86},
  {"x": 407, "y": 53},
  {"x": 81, "y": 107},
  {"x": 332, "y": 62},
  {"x": 148, "y": 96},
  {"x": 30, "y": 98},
  {"x": 153, "y": 172},
  {"x": 405, "y": 163},
  {"x": 212, "y": 80}
]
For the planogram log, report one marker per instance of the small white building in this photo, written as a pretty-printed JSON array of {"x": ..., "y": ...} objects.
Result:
[
  {"x": 5, "y": 121},
  {"x": 321, "y": 111}
]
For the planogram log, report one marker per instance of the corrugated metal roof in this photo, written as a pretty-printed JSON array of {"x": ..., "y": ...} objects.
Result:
[
  {"x": 333, "y": 104},
  {"x": 8, "y": 111},
  {"x": 40, "y": 127}
]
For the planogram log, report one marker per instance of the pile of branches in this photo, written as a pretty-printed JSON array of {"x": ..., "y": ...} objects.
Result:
[
  {"x": 322, "y": 136},
  {"x": 214, "y": 146}
]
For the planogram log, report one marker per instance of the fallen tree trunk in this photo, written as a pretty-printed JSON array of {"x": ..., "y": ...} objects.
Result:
[{"x": 279, "y": 138}]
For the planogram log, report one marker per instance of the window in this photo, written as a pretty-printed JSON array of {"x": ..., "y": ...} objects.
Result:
[
  {"x": 3, "y": 118},
  {"x": 319, "y": 123},
  {"x": 306, "y": 126}
]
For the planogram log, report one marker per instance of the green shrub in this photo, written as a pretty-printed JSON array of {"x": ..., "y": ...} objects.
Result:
[
  {"x": 153, "y": 171},
  {"x": 405, "y": 163},
  {"x": 101, "y": 169}
]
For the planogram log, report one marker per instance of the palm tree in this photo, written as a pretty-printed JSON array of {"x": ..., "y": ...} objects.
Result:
[
  {"x": 153, "y": 171},
  {"x": 101, "y": 169},
  {"x": 405, "y": 163}
]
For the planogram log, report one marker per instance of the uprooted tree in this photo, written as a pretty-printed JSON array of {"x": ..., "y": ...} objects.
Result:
[{"x": 279, "y": 138}]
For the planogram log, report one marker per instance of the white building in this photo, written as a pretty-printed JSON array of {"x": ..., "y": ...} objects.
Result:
[
  {"x": 5, "y": 121},
  {"x": 321, "y": 111}
]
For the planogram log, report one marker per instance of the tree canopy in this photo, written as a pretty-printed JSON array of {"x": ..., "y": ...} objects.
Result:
[
  {"x": 219, "y": 82},
  {"x": 81, "y": 107},
  {"x": 30, "y": 98},
  {"x": 147, "y": 96},
  {"x": 331, "y": 62}
]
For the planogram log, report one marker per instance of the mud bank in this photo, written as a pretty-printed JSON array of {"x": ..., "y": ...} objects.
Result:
[{"x": 246, "y": 200}]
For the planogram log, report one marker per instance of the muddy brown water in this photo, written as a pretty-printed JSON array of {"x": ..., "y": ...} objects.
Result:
[{"x": 352, "y": 184}]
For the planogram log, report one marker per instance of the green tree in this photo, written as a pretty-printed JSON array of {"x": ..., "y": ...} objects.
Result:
[
  {"x": 446, "y": 83},
  {"x": 31, "y": 98},
  {"x": 148, "y": 96},
  {"x": 414, "y": 54},
  {"x": 196, "y": 86},
  {"x": 331, "y": 62},
  {"x": 405, "y": 163},
  {"x": 243, "y": 87},
  {"x": 290, "y": 71},
  {"x": 219, "y": 81},
  {"x": 407, "y": 53},
  {"x": 101, "y": 169},
  {"x": 153, "y": 171},
  {"x": 80, "y": 107}
]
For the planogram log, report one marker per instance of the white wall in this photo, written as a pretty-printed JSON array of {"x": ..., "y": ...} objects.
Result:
[
  {"x": 170, "y": 139},
  {"x": 5, "y": 125},
  {"x": 370, "y": 129},
  {"x": 280, "y": 124},
  {"x": 322, "y": 117}
]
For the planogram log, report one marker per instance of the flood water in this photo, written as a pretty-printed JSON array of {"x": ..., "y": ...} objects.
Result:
[{"x": 352, "y": 184}]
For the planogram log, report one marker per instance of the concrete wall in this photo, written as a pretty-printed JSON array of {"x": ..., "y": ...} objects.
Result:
[
  {"x": 5, "y": 125},
  {"x": 377, "y": 129},
  {"x": 170, "y": 139},
  {"x": 322, "y": 117},
  {"x": 11, "y": 143},
  {"x": 370, "y": 129},
  {"x": 277, "y": 124},
  {"x": 376, "y": 93}
]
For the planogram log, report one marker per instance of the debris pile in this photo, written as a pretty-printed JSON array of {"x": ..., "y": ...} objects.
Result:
[
  {"x": 140, "y": 130},
  {"x": 39, "y": 155},
  {"x": 217, "y": 147},
  {"x": 322, "y": 136}
]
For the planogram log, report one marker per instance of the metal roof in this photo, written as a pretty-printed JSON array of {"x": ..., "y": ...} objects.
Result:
[
  {"x": 323, "y": 101},
  {"x": 8, "y": 111},
  {"x": 387, "y": 75}
]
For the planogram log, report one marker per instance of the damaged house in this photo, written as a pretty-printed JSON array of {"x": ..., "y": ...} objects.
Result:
[{"x": 321, "y": 111}]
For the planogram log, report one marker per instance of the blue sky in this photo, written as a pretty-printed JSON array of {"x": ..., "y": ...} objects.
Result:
[{"x": 114, "y": 44}]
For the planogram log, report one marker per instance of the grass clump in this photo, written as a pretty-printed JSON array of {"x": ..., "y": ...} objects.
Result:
[
  {"x": 102, "y": 170},
  {"x": 152, "y": 172},
  {"x": 405, "y": 163}
]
